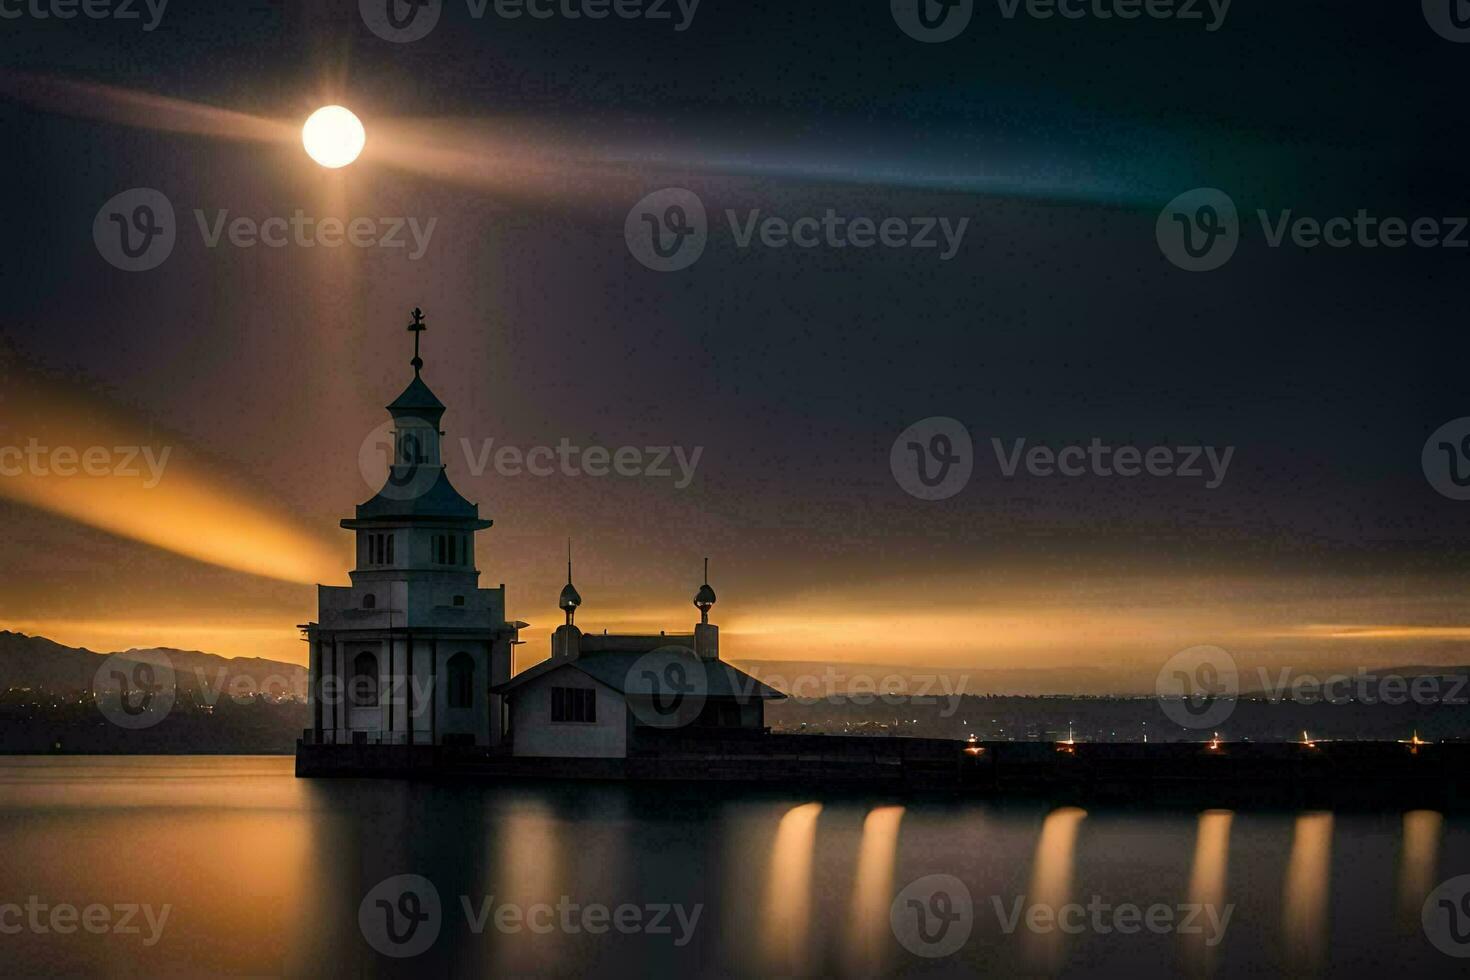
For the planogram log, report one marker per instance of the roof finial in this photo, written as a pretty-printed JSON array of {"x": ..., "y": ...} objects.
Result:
[
  {"x": 569, "y": 600},
  {"x": 417, "y": 327},
  {"x": 705, "y": 597}
]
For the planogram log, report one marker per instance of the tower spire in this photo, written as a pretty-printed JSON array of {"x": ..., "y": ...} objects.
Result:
[
  {"x": 417, "y": 327},
  {"x": 569, "y": 600},
  {"x": 704, "y": 599}
]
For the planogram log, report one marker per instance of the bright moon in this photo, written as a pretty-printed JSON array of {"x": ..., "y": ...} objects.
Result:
[{"x": 333, "y": 136}]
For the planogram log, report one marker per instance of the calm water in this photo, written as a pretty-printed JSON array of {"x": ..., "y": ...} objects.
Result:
[{"x": 266, "y": 875}]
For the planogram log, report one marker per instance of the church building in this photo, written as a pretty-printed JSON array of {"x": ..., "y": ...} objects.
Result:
[{"x": 414, "y": 657}]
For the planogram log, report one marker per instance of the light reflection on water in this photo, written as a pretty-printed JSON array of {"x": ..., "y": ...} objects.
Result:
[
  {"x": 872, "y": 892},
  {"x": 786, "y": 930},
  {"x": 1207, "y": 885},
  {"x": 1051, "y": 882},
  {"x": 1418, "y": 864},
  {"x": 1304, "y": 898},
  {"x": 264, "y": 875}
]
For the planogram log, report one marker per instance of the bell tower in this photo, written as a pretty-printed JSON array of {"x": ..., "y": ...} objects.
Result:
[{"x": 408, "y": 652}]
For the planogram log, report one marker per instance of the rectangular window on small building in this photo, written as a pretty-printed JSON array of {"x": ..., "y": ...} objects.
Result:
[{"x": 573, "y": 704}]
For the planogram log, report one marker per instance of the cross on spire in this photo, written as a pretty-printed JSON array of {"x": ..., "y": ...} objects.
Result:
[{"x": 417, "y": 327}]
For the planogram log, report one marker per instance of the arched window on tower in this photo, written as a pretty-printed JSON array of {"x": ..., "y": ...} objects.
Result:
[
  {"x": 365, "y": 680},
  {"x": 461, "y": 680}
]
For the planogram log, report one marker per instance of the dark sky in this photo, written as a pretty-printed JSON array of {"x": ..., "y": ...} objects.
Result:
[{"x": 528, "y": 141}]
